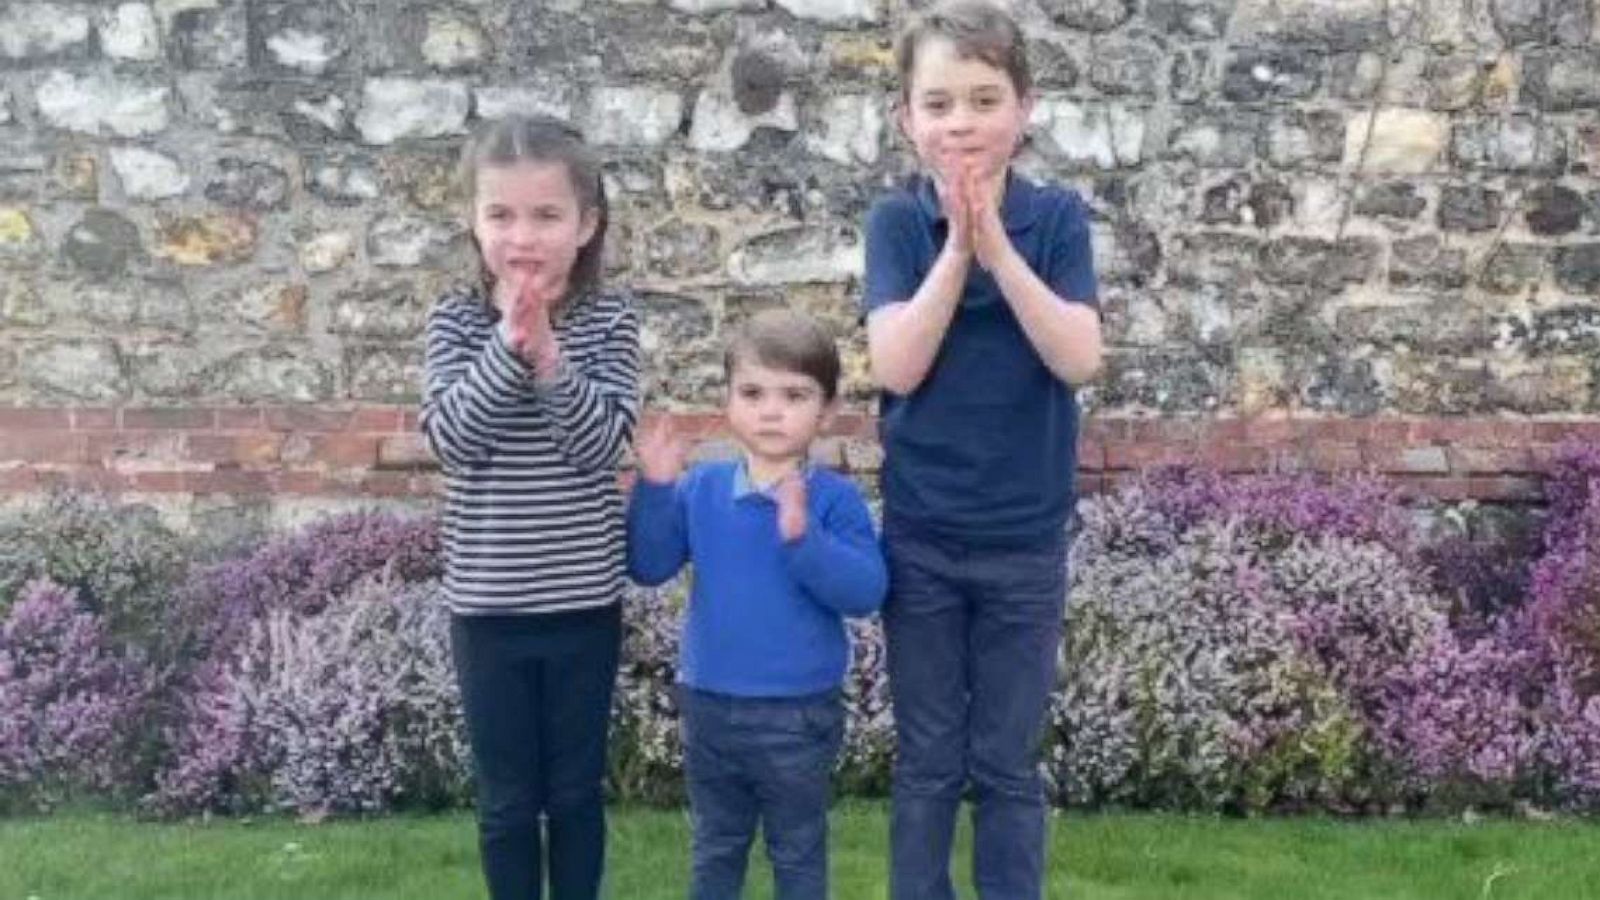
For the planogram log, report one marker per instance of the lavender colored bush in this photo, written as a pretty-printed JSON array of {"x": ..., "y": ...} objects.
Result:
[
  {"x": 69, "y": 701},
  {"x": 119, "y": 559},
  {"x": 350, "y": 709}
]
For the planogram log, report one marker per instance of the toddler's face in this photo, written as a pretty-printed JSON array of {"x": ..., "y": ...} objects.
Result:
[
  {"x": 775, "y": 414},
  {"x": 528, "y": 222},
  {"x": 961, "y": 111}
]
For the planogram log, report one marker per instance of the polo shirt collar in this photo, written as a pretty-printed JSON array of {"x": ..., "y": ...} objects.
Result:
[
  {"x": 1019, "y": 209},
  {"x": 743, "y": 487}
]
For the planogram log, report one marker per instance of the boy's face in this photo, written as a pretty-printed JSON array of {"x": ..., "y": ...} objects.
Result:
[
  {"x": 961, "y": 112},
  {"x": 775, "y": 414}
]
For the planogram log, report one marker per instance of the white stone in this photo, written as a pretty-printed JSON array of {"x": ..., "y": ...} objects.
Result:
[
  {"x": 1403, "y": 141},
  {"x": 94, "y": 104},
  {"x": 40, "y": 29},
  {"x": 1108, "y": 137},
  {"x": 702, "y": 7},
  {"x": 719, "y": 126},
  {"x": 397, "y": 108},
  {"x": 405, "y": 240},
  {"x": 130, "y": 32},
  {"x": 633, "y": 116},
  {"x": 305, "y": 51},
  {"x": 1320, "y": 207},
  {"x": 834, "y": 11},
  {"x": 851, "y": 129},
  {"x": 148, "y": 175},
  {"x": 798, "y": 256},
  {"x": 327, "y": 251},
  {"x": 452, "y": 42},
  {"x": 329, "y": 113},
  {"x": 499, "y": 101}
]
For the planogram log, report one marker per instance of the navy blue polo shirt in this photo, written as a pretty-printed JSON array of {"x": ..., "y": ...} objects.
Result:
[{"x": 985, "y": 448}]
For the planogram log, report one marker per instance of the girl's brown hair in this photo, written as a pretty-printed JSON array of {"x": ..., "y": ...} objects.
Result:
[
  {"x": 979, "y": 30},
  {"x": 541, "y": 139}
]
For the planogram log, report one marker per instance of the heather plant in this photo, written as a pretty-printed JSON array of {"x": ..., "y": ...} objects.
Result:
[
  {"x": 349, "y": 709},
  {"x": 121, "y": 561},
  {"x": 1564, "y": 594},
  {"x": 646, "y": 750},
  {"x": 69, "y": 700},
  {"x": 868, "y": 751}
]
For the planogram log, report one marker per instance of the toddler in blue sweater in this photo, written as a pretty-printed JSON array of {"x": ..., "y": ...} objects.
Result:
[{"x": 783, "y": 551}]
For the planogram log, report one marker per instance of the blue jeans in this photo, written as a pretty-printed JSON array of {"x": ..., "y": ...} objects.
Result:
[
  {"x": 536, "y": 695},
  {"x": 973, "y": 636},
  {"x": 760, "y": 760}
]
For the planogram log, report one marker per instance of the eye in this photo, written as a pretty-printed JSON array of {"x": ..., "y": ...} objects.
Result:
[
  {"x": 797, "y": 395},
  {"x": 497, "y": 214},
  {"x": 749, "y": 392},
  {"x": 986, "y": 102},
  {"x": 935, "y": 105}
]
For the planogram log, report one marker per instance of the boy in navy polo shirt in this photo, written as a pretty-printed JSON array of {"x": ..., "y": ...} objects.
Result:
[
  {"x": 782, "y": 552},
  {"x": 981, "y": 311}
]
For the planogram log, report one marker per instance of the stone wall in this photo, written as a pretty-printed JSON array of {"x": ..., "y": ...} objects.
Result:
[{"x": 1332, "y": 233}]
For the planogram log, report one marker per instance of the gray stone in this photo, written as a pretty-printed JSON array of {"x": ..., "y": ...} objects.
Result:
[
  {"x": 670, "y": 321},
  {"x": 250, "y": 185},
  {"x": 454, "y": 41},
  {"x": 161, "y": 305},
  {"x": 1207, "y": 19},
  {"x": 383, "y": 374},
  {"x": 848, "y": 129},
  {"x": 273, "y": 306},
  {"x": 1269, "y": 204},
  {"x": 1216, "y": 139},
  {"x": 394, "y": 109},
  {"x": 100, "y": 103},
  {"x": 1563, "y": 329},
  {"x": 1089, "y": 15},
  {"x": 89, "y": 371},
  {"x": 1052, "y": 63},
  {"x": 1106, "y": 137},
  {"x": 1425, "y": 262},
  {"x": 1563, "y": 80},
  {"x": 1221, "y": 203},
  {"x": 633, "y": 116},
  {"x": 42, "y": 30},
  {"x": 21, "y": 304},
  {"x": 797, "y": 256},
  {"x": 409, "y": 241},
  {"x": 271, "y": 374},
  {"x": 148, "y": 175},
  {"x": 102, "y": 243},
  {"x": 344, "y": 180},
  {"x": 1218, "y": 258},
  {"x": 1514, "y": 268},
  {"x": 1432, "y": 327},
  {"x": 1306, "y": 138},
  {"x": 1337, "y": 24},
  {"x": 1313, "y": 261},
  {"x": 1257, "y": 75},
  {"x": 1577, "y": 268},
  {"x": 1189, "y": 75},
  {"x": 720, "y": 125},
  {"x": 1168, "y": 379},
  {"x": 1343, "y": 385},
  {"x": 206, "y": 34},
  {"x": 1469, "y": 208},
  {"x": 549, "y": 98},
  {"x": 129, "y": 31},
  {"x": 1454, "y": 82},
  {"x": 1516, "y": 144},
  {"x": 835, "y": 12},
  {"x": 706, "y": 7},
  {"x": 395, "y": 310},
  {"x": 1554, "y": 210},
  {"x": 678, "y": 248},
  {"x": 1542, "y": 21},
  {"x": 5, "y": 106},
  {"x": 1394, "y": 199},
  {"x": 1127, "y": 67}
]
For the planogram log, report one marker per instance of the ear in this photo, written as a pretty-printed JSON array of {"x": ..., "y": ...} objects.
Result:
[
  {"x": 902, "y": 118},
  {"x": 829, "y": 411},
  {"x": 588, "y": 225},
  {"x": 1026, "y": 103}
]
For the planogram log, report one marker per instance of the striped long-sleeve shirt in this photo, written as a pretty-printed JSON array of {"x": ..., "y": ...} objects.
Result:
[{"x": 533, "y": 518}]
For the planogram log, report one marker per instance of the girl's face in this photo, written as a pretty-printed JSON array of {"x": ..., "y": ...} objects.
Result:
[
  {"x": 528, "y": 223},
  {"x": 961, "y": 111}
]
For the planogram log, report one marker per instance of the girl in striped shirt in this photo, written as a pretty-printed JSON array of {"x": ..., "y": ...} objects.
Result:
[{"x": 531, "y": 395}]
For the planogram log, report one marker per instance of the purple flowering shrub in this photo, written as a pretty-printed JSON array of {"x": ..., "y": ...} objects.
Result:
[
  {"x": 69, "y": 701},
  {"x": 121, "y": 561},
  {"x": 1231, "y": 641},
  {"x": 350, "y": 709}
]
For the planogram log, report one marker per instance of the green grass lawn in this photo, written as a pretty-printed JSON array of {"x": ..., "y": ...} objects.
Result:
[{"x": 1109, "y": 857}]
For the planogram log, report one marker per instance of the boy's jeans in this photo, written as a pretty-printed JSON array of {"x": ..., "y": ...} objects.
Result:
[
  {"x": 536, "y": 692},
  {"x": 973, "y": 636},
  {"x": 766, "y": 760}
]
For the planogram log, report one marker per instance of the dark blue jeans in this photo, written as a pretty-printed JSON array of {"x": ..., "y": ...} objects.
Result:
[
  {"x": 768, "y": 761},
  {"x": 973, "y": 637},
  {"x": 536, "y": 692}
]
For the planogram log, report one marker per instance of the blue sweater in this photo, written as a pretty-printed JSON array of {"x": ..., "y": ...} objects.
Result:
[{"x": 765, "y": 617}]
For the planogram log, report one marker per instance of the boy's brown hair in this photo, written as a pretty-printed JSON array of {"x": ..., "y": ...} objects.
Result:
[
  {"x": 789, "y": 341},
  {"x": 979, "y": 30},
  {"x": 541, "y": 139}
]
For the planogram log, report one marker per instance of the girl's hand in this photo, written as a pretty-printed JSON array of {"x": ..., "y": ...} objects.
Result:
[
  {"x": 989, "y": 238},
  {"x": 528, "y": 320},
  {"x": 660, "y": 451},
  {"x": 790, "y": 492}
]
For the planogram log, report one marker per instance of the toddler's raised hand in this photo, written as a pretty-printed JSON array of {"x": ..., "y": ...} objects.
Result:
[
  {"x": 790, "y": 492},
  {"x": 661, "y": 451}
]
